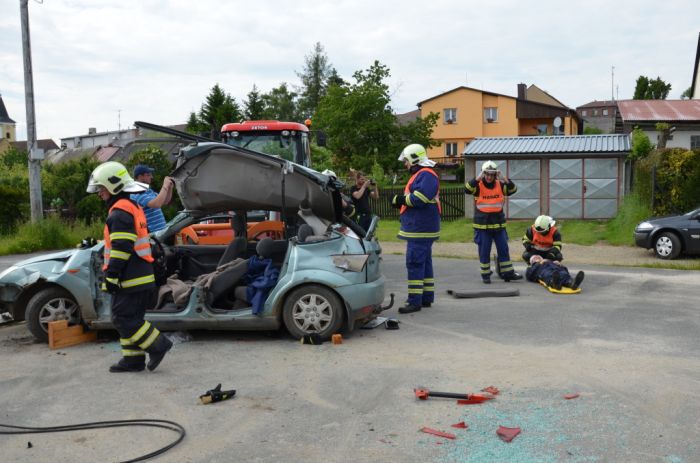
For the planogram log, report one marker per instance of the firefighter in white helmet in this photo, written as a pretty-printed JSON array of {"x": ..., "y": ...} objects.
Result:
[
  {"x": 490, "y": 189},
  {"x": 542, "y": 238},
  {"x": 420, "y": 225},
  {"x": 128, "y": 269}
]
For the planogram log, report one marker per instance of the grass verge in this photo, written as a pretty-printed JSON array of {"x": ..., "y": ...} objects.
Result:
[{"x": 49, "y": 234}]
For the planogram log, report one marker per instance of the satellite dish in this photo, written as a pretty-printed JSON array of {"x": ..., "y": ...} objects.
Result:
[{"x": 557, "y": 122}]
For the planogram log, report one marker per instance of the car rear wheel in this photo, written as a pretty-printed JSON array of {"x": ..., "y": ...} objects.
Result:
[
  {"x": 667, "y": 246},
  {"x": 48, "y": 305},
  {"x": 313, "y": 309}
]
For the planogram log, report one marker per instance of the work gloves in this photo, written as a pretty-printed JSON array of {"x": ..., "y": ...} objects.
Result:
[
  {"x": 397, "y": 201},
  {"x": 111, "y": 285}
]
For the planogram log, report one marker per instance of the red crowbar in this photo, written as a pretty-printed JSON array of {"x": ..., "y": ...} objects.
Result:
[{"x": 435, "y": 432}]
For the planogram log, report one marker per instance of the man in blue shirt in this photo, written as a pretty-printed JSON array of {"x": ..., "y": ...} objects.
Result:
[{"x": 149, "y": 200}]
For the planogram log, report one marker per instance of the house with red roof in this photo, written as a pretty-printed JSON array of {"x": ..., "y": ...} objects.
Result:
[{"x": 682, "y": 115}]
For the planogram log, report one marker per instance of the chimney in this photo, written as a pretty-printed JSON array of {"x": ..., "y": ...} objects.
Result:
[
  {"x": 92, "y": 131},
  {"x": 522, "y": 92}
]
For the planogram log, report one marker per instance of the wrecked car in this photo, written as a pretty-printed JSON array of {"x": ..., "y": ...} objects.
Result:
[{"x": 325, "y": 273}]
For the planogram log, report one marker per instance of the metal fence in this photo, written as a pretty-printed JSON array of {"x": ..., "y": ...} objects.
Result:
[{"x": 452, "y": 200}]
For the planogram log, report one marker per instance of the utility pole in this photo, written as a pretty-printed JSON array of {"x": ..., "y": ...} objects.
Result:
[
  {"x": 612, "y": 84},
  {"x": 35, "y": 154}
]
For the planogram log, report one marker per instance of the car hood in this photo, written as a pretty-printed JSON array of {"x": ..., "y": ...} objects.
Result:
[
  {"x": 213, "y": 177},
  {"x": 60, "y": 255}
]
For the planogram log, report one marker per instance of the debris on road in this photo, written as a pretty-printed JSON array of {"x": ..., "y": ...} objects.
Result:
[
  {"x": 392, "y": 324},
  {"x": 435, "y": 432},
  {"x": 460, "y": 425},
  {"x": 484, "y": 293},
  {"x": 491, "y": 390},
  {"x": 507, "y": 434},
  {"x": 216, "y": 395},
  {"x": 423, "y": 394},
  {"x": 571, "y": 396},
  {"x": 337, "y": 339},
  {"x": 313, "y": 339},
  {"x": 5, "y": 317}
]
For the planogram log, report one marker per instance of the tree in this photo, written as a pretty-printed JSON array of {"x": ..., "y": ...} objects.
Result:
[
  {"x": 194, "y": 126},
  {"x": 218, "y": 109},
  {"x": 254, "y": 105},
  {"x": 665, "y": 131},
  {"x": 651, "y": 89},
  {"x": 281, "y": 104},
  {"x": 314, "y": 80},
  {"x": 361, "y": 127},
  {"x": 686, "y": 95},
  {"x": 641, "y": 145}
]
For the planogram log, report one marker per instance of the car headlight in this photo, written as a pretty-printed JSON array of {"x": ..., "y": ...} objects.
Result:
[{"x": 644, "y": 226}]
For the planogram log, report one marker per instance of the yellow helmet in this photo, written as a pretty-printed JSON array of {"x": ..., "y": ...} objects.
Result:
[
  {"x": 415, "y": 154},
  {"x": 115, "y": 178},
  {"x": 543, "y": 223}
]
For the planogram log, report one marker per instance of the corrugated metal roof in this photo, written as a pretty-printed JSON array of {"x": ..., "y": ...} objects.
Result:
[
  {"x": 659, "y": 110},
  {"x": 558, "y": 144}
]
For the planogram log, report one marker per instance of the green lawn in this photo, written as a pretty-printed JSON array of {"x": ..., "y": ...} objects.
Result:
[{"x": 585, "y": 232}]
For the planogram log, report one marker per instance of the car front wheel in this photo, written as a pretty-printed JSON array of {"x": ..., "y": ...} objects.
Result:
[
  {"x": 313, "y": 309},
  {"x": 48, "y": 305},
  {"x": 667, "y": 246}
]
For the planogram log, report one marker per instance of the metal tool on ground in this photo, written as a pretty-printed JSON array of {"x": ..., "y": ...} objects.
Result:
[
  {"x": 216, "y": 395},
  {"x": 423, "y": 394}
]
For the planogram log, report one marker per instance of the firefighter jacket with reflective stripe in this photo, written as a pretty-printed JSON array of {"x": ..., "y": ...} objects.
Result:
[
  {"x": 127, "y": 250},
  {"x": 489, "y": 199},
  {"x": 542, "y": 241},
  {"x": 420, "y": 217}
]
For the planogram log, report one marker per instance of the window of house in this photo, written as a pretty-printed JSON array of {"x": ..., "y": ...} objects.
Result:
[
  {"x": 542, "y": 129},
  {"x": 694, "y": 142},
  {"x": 450, "y": 149},
  {"x": 595, "y": 112},
  {"x": 491, "y": 114},
  {"x": 450, "y": 115},
  {"x": 8, "y": 135},
  {"x": 605, "y": 112},
  {"x": 584, "y": 113}
]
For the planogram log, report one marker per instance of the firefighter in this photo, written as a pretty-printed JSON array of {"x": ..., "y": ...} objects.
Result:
[
  {"x": 543, "y": 239},
  {"x": 490, "y": 189},
  {"x": 128, "y": 269},
  {"x": 420, "y": 225}
]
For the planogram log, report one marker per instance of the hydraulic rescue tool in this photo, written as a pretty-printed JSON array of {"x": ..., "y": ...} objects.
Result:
[{"x": 216, "y": 395}]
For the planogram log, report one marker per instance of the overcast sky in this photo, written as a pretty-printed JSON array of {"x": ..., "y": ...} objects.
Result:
[{"x": 156, "y": 60}]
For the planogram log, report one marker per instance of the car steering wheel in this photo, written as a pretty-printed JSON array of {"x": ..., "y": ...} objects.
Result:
[{"x": 160, "y": 266}]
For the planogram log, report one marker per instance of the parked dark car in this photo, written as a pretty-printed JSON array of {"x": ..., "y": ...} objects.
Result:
[{"x": 670, "y": 236}]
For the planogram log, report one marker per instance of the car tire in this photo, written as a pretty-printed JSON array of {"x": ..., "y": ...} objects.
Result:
[
  {"x": 47, "y": 305},
  {"x": 667, "y": 246},
  {"x": 313, "y": 309}
]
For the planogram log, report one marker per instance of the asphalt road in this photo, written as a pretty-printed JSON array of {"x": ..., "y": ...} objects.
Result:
[{"x": 628, "y": 345}]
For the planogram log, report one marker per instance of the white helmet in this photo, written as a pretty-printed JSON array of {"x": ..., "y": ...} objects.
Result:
[
  {"x": 115, "y": 178},
  {"x": 543, "y": 223},
  {"x": 490, "y": 167},
  {"x": 415, "y": 154}
]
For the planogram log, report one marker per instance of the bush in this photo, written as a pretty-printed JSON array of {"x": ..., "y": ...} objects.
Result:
[
  {"x": 14, "y": 206},
  {"x": 91, "y": 209},
  {"x": 620, "y": 230},
  {"x": 67, "y": 182},
  {"x": 50, "y": 233},
  {"x": 676, "y": 173}
]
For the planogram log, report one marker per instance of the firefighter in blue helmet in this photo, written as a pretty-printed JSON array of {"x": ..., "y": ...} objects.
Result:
[
  {"x": 128, "y": 269},
  {"x": 490, "y": 190},
  {"x": 420, "y": 225}
]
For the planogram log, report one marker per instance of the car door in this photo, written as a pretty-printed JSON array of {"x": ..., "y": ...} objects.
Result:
[{"x": 693, "y": 244}]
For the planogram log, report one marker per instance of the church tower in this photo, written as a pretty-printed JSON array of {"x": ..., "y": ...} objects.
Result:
[{"x": 7, "y": 125}]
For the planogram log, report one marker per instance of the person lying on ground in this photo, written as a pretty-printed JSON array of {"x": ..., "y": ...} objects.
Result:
[{"x": 552, "y": 273}]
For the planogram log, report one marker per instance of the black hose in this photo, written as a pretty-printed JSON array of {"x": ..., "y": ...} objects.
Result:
[{"x": 169, "y": 425}]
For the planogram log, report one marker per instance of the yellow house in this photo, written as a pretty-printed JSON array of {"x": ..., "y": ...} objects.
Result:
[
  {"x": 7, "y": 128},
  {"x": 467, "y": 113}
]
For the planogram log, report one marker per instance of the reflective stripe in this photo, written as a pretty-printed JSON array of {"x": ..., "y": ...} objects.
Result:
[
  {"x": 119, "y": 254},
  {"x": 428, "y": 280},
  {"x": 423, "y": 198},
  {"x": 415, "y": 282},
  {"x": 419, "y": 234},
  {"x": 122, "y": 236},
  {"x": 470, "y": 188},
  {"x": 138, "y": 281},
  {"x": 407, "y": 200},
  {"x": 415, "y": 291},
  {"x": 147, "y": 343},
  {"x": 492, "y": 226},
  {"x": 141, "y": 331},
  {"x": 125, "y": 342},
  {"x": 132, "y": 353}
]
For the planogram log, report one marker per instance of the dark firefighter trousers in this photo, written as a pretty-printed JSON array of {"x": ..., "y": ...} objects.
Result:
[
  {"x": 137, "y": 336},
  {"x": 484, "y": 239},
  {"x": 419, "y": 264}
]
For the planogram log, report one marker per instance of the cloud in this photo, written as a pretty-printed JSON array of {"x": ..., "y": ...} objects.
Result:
[{"x": 156, "y": 60}]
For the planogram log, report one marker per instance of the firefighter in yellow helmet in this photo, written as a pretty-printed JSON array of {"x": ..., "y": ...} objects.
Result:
[
  {"x": 543, "y": 239},
  {"x": 128, "y": 269},
  {"x": 490, "y": 189}
]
